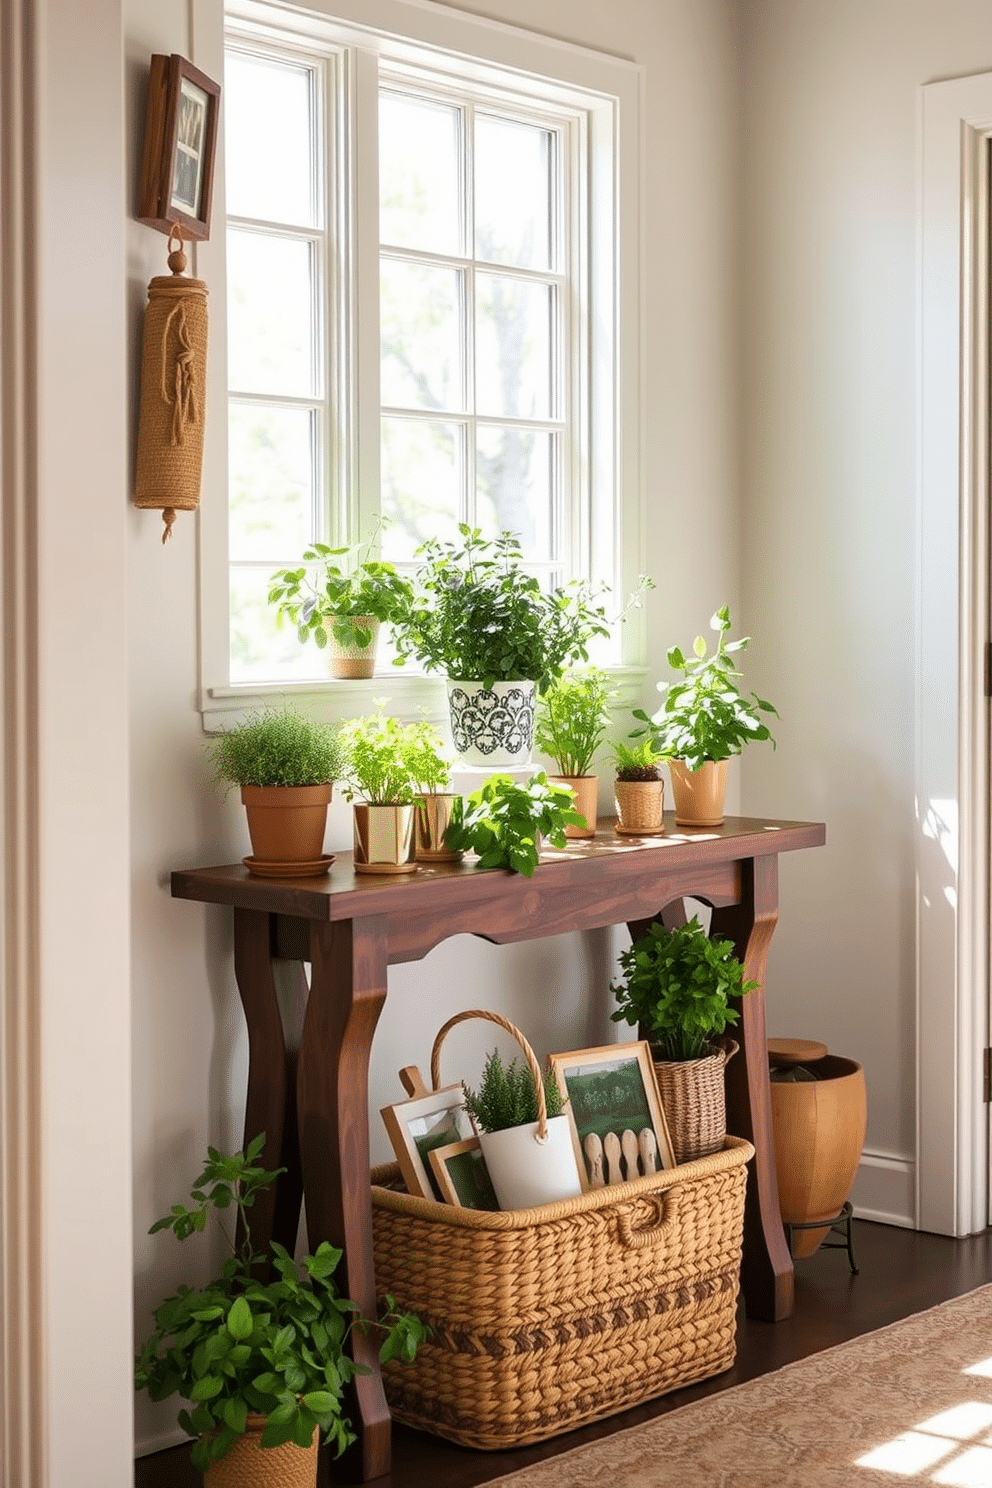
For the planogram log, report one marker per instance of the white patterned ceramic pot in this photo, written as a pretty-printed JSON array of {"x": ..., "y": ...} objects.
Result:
[{"x": 492, "y": 727}]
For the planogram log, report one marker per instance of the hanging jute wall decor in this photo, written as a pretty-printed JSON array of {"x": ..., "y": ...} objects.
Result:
[{"x": 173, "y": 392}]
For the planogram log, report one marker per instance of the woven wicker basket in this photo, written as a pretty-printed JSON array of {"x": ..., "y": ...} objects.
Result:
[
  {"x": 692, "y": 1093},
  {"x": 543, "y": 1319},
  {"x": 250, "y": 1465}
]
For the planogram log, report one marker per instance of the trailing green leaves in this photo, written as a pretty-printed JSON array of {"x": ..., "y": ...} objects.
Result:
[
  {"x": 241, "y": 1344},
  {"x": 677, "y": 987},
  {"x": 504, "y": 818}
]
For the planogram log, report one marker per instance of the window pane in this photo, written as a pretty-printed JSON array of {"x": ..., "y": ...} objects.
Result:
[
  {"x": 269, "y": 161},
  {"x": 513, "y": 221},
  {"x": 260, "y": 652},
  {"x": 271, "y": 481},
  {"x": 513, "y": 347},
  {"x": 421, "y": 483},
  {"x": 270, "y": 314},
  {"x": 515, "y": 472},
  {"x": 419, "y": 160},
  {"x": 421, "y": 336}
]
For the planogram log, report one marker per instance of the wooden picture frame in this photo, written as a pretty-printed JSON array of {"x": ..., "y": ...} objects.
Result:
[
  {"x": 462, "y": 1175},
  {"x": 437, "y": 1119},
  {"x": 177, "y": 165},
  {"x": 603, "y": 1111}
]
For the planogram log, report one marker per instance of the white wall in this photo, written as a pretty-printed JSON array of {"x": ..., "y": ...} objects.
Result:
[
  {"x": 830, "y": 445},
  {"x": 189, "y": 1052}
]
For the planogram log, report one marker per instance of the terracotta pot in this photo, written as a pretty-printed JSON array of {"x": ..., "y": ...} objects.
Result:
[
  {"x": 286, "y": 823},
  {"x": 819, "y": 1129},
  {"x": 699, "y": 794},
  {"x": 384, "y": 838},
  {"x": 492, "y": 727},
  {"x": 640, "y": 805},
  {"x": 250, "y": 1465},
  {"x": 692, "y": 1094},
  {"x": 354, "y": 661},
  {"x": 585, "y": 789},
  {"x": 434, "y": 815}
]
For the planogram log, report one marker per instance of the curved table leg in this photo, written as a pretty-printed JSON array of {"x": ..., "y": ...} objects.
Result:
[
  {"x": 766, "y": 1271},
  {"x": 269, "y": 1106},
  {"x": 347, "y": 991}
]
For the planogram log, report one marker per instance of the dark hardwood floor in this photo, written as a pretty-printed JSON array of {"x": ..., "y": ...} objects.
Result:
[{"x": 901, "y": 1272}]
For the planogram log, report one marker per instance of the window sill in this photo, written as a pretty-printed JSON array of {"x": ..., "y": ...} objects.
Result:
[{"x": 408, "y": 695}]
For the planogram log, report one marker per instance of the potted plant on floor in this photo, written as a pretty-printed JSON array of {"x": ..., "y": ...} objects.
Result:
[
  {"x": 505, "y": 820},
  {"x": 519, "y": 1115},
  {"x": 704, "y": 720},
  {"x": 479, "y": 618},
  {"x": 339, "y": 597},
  {"x": 639, "y": 790},
  {"x": 677, "y": 988},
  {"x": 572, "y": 718},
  {"x": 262, "y": 1364},
  {"x": 285, "y": 765},
  {"x": 385, "y": 760}
]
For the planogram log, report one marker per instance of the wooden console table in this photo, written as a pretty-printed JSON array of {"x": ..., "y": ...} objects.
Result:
[{"x": 308, "y": 1086}]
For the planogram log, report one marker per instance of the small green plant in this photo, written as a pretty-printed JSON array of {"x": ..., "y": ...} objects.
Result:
[
  {"x": 503, "y": 819},
  {"x": 276, "y": 747},
  {"x": 506, "y": 1097},
  {"x": 677, "y": 985},
  {"x": 477, "y": 615},
  {"x": 240, "y": 1345},
  {"x": 705, "y": 716},
  {"x": 572, "y": 718},
  {"x": 634, "y": 762},
  {"x": 326, "y": 597},
  {"x": 389, "y": 763}
]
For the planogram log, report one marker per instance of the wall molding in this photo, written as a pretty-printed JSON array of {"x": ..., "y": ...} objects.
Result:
[{"x": 885, "y": 1189}]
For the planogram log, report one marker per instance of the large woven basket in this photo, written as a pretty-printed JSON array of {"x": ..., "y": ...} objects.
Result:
[
  {"x": 692, "y": 1093},
  {"x": 543, "y": 1319}
]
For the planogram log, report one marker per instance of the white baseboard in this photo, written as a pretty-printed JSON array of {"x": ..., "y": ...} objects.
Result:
[{"x": 885, "y": 1189}]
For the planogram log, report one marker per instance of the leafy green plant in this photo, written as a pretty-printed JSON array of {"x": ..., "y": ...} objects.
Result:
[
  {"x": 276, "y": 747},
  {"x": 324, "y": 597},
  {"x": 506, "y": 1096},
  {"x": 503, "y": 819},
  {"x": 477, "y": 615},
  {"x": 677, "y": 985},
  {"x": 389, "y": 763},
  {"x": 240, "y": 1345},
  {"x": 705, "y": 716},
  {"x": 636, "y": 762},
  {"x": 572, "y": 718}
]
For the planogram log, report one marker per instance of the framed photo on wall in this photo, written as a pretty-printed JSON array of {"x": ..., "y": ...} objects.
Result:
[
  {"x": 618, "y": 1122},
  {"x": 177, "y": 166},
  {"x": 417, "y": 1126}
]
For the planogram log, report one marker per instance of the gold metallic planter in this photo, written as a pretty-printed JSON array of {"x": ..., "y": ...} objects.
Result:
[
  {"x": 435, "y": 813},
  {"x": 384, "y": 838}
]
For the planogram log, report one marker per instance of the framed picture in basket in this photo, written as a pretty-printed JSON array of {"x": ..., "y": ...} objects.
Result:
[
  {"x": 462, "y": 1176},
  {"x": 417, "y": 1126},
  {"x": 618, "y": 1122}
]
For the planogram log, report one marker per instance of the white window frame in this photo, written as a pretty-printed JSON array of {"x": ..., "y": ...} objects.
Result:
[{"x": 362, "y": 36}]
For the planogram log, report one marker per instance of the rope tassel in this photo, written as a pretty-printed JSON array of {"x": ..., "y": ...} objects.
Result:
[{"x": 173, "y": 377}]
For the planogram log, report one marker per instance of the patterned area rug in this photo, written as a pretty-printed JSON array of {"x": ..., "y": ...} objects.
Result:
[{"x": 910, "y": 1404}]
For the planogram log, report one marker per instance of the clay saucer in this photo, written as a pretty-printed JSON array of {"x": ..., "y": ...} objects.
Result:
[{"x": 272, "y": 868}]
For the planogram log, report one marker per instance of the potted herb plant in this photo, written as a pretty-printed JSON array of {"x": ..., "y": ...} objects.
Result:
[
  {"x": 385, "y": 763},
  {"x": 677, "y": 988},
  {"x": 437, "y": 805},
  {"x": 339, "y": 597},
  {"x": 703, "y": 721},
  {"x": 262, "y": 1364},
  {"x": 639, "y": 790},
  {"x": 524, "y": 1131},
  {"x": 572, "y": 718},
  {"x": 285, "y": 765},
  {"x": 505, "y": 820},
  {"x": 479, "y": 618}
]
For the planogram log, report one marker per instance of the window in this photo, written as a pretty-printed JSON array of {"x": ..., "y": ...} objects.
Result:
[{"x": 430, "y": 249}]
